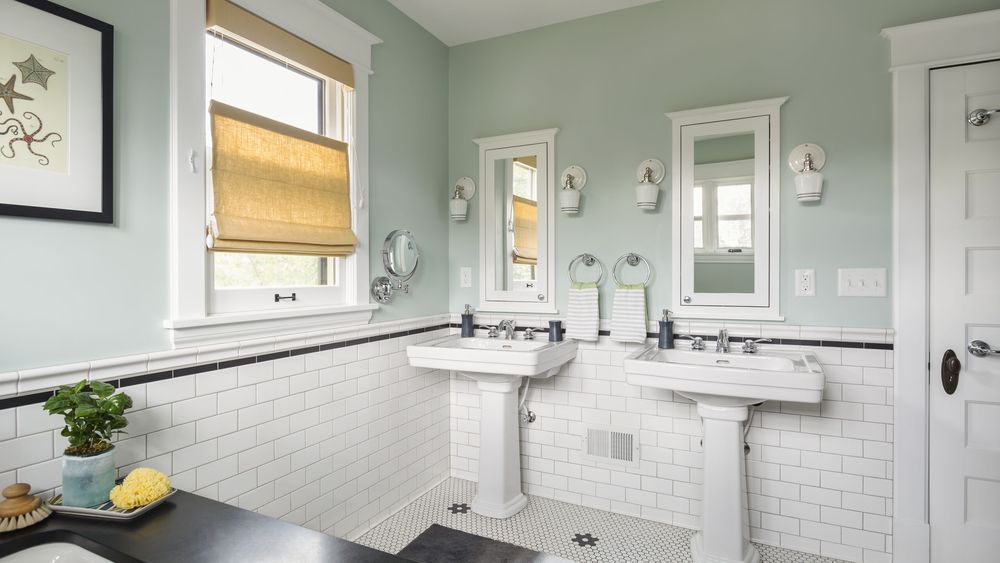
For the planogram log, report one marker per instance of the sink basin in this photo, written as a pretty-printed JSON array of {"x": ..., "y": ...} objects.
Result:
[
  {"x": 724, "y": 385},
  {"x": 61, "y": 552},
  {"x": 729, "y": 378},
  {"x": 497, "y": 366},
  {"x": 480, "y": 356}
]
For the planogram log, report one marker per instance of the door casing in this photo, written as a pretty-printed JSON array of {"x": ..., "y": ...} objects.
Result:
[{"x": 915, "y": 50}]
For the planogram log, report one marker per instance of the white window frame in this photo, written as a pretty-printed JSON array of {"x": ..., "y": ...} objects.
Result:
[
  {"x": 335, "y": 125},
  {"x": 191, "y": 321}
]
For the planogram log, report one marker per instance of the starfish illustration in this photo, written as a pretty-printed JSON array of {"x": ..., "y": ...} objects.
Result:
[
  {"x": 33, "y": 71},
  {"x": 8, "y": 95}
]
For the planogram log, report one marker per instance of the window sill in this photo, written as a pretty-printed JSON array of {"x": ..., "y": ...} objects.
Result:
[
  {"x": 217, "y": 329},
  {"x": 734, "y": 258}
]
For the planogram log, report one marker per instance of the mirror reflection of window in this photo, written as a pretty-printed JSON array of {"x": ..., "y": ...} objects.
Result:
[
  {"x": 524, "y": 224},
  {"x": 722, "y": 209}
]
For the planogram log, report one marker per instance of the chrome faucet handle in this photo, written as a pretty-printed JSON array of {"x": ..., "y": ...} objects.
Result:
[
  {"x": 494, "y": 332},
  {"x": 529, "y": 333},
  {"x": 750, "y": 344},
  {"x": 697, "y": 342}
]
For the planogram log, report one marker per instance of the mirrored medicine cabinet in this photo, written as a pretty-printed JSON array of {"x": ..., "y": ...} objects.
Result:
[
  {"x": 726, "y": 184},
  {"x": 516, "y": 210}
]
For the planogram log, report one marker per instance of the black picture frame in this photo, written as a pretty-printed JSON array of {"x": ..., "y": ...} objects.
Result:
[{"x": 106, "y": 213}]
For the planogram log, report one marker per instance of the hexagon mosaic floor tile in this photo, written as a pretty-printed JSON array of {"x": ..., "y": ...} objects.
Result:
[{"x": 577, "y": 533}]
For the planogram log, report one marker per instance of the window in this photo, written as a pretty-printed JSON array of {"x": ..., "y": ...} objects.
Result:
[
  {"x": 723, "y": 217},
  {"x": 318, "y": 63},
  {"x": 250, "y": 79}
]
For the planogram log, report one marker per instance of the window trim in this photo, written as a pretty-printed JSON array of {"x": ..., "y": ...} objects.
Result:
[{"x": 190, "y": 286}]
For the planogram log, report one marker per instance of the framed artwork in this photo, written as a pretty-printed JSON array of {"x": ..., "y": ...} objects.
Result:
[{"x": 56, "y": 113}]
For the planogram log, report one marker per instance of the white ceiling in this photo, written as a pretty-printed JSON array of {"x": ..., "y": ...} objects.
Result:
[{"x": 460, "y": 21}]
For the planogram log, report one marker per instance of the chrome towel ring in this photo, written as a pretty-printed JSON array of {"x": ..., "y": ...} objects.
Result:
[
  {"x": 632, "y": 259},
  {"x": 588, "y": 260}
]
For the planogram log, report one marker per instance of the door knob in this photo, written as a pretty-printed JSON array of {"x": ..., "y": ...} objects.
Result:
[
  {"x": 981, "y": 349},
  {"x": 950, "y": 368}
]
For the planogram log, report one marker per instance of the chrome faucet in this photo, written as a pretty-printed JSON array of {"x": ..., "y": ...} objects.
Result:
[
  {"x": 507, "y": 326},
  {"x": 722, "y": 344}
]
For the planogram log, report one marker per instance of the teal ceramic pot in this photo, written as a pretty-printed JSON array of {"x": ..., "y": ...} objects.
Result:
[{"x": 88, "y": 480}]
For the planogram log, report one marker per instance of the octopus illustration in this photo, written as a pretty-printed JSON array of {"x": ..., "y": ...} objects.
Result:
[{"x": 15, "y": 126}]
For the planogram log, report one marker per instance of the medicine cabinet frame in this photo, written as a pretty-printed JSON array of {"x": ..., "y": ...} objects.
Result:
[
  {"x": 540, "y": 299},
  {"x": 760, "y": 116}
]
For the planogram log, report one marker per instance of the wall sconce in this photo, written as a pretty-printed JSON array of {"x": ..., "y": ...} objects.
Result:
[
  {"x": 574, "y": 178},
  {"x": 650, "y": 173},
  {"x": 458, "y": 205},
  {"x": 806, "y": 160}
]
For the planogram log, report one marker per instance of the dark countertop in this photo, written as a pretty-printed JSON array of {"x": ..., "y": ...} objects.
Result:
[{"x": 192, "y": 529}]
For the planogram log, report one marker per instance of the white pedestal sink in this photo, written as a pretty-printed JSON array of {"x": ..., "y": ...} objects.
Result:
[
  {"x": 497, "y": 366},
  {"x": 723, "y": 386}
]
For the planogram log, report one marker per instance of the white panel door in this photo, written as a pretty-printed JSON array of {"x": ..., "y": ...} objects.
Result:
[{"x": 965, "y": 306}]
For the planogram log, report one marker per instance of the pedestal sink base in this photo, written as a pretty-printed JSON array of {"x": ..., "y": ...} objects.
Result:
[
  {"x": 499, "y": 491},
  {"x": 484, "y": 508},
  {"x": 724, "y": 536},
  {"x": 750, "y": 555}
]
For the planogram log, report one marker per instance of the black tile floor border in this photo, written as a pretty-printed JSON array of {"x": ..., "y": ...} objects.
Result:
[{"x": 42, "y": 396}]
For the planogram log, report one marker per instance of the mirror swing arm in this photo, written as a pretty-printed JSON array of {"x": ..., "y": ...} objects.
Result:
[
  {"x": 398, "y": 272},
  {"x": 498, "y": 292},
  {"x": 760, "y": 301}
]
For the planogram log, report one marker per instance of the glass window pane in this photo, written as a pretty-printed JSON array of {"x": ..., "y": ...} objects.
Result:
[
  {"x": 735, "y": 233},
  {"x": 524, "y": 181},
  {"x": 241, "y": 78},
  {"x": 699, "y": 233},
  {"x": 697, "y": 199},
  {"x": 238, "y": 271},
  {"x": 734, "y": 199},
  {"x": 523, "y": 272}
]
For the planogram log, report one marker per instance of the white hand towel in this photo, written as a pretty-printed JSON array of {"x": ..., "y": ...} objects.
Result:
[
  {"x": 583, "y": 318},
  {"x": 628, "y": 315}
]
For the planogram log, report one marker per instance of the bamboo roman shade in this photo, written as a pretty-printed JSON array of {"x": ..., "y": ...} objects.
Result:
[
  {"x": 277, "y": 189},
  {"x": 230, "y": 19},
  {"x": 525, "y": 231}
]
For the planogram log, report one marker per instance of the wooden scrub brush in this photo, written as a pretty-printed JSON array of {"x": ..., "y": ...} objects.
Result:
[{"x": 19, "y": 509}]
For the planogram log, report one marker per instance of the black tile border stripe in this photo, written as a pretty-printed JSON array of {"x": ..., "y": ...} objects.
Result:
[
  {"x": 41, "y": 397},
  {"x": 713, "y": 338}
]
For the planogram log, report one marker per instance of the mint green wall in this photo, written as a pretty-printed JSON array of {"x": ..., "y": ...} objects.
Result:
[
  {"x": 606, "y": 81},
  {"x": 77, "y": 292}
]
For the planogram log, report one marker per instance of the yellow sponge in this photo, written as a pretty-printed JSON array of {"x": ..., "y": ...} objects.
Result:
[{"x": 141, "y": 487}]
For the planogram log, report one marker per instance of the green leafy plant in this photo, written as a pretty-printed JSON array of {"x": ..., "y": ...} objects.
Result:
[{"x": 94, "y": 414}]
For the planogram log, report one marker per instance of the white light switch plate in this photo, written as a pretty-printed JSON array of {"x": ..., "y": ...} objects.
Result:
[
  {"x": 805, "y": 283},
  {"x": 465, "y": 276},
  {"x": 861, "y": 282}
]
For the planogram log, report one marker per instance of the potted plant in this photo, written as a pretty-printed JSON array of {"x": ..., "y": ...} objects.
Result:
[{"x": 94, "y": 414}]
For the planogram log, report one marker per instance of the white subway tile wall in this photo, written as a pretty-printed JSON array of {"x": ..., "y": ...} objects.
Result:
[
  {"x": 339, "y": 440},
  {"x": 335, "y": 440},
  {"x": 819, "y": 477}
]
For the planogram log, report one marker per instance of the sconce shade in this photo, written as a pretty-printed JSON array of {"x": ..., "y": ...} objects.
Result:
[
  {"x": 458, "y": 209},
  {"x": 569, "y": 201},
  {"x": 646, "y": 194},
  {"x": 809, "y": 185}
]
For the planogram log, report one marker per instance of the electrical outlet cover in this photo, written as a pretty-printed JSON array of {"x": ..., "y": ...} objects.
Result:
[
  {"x": 465, "y": 277},
  {"x": 805, "y": 283}
]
